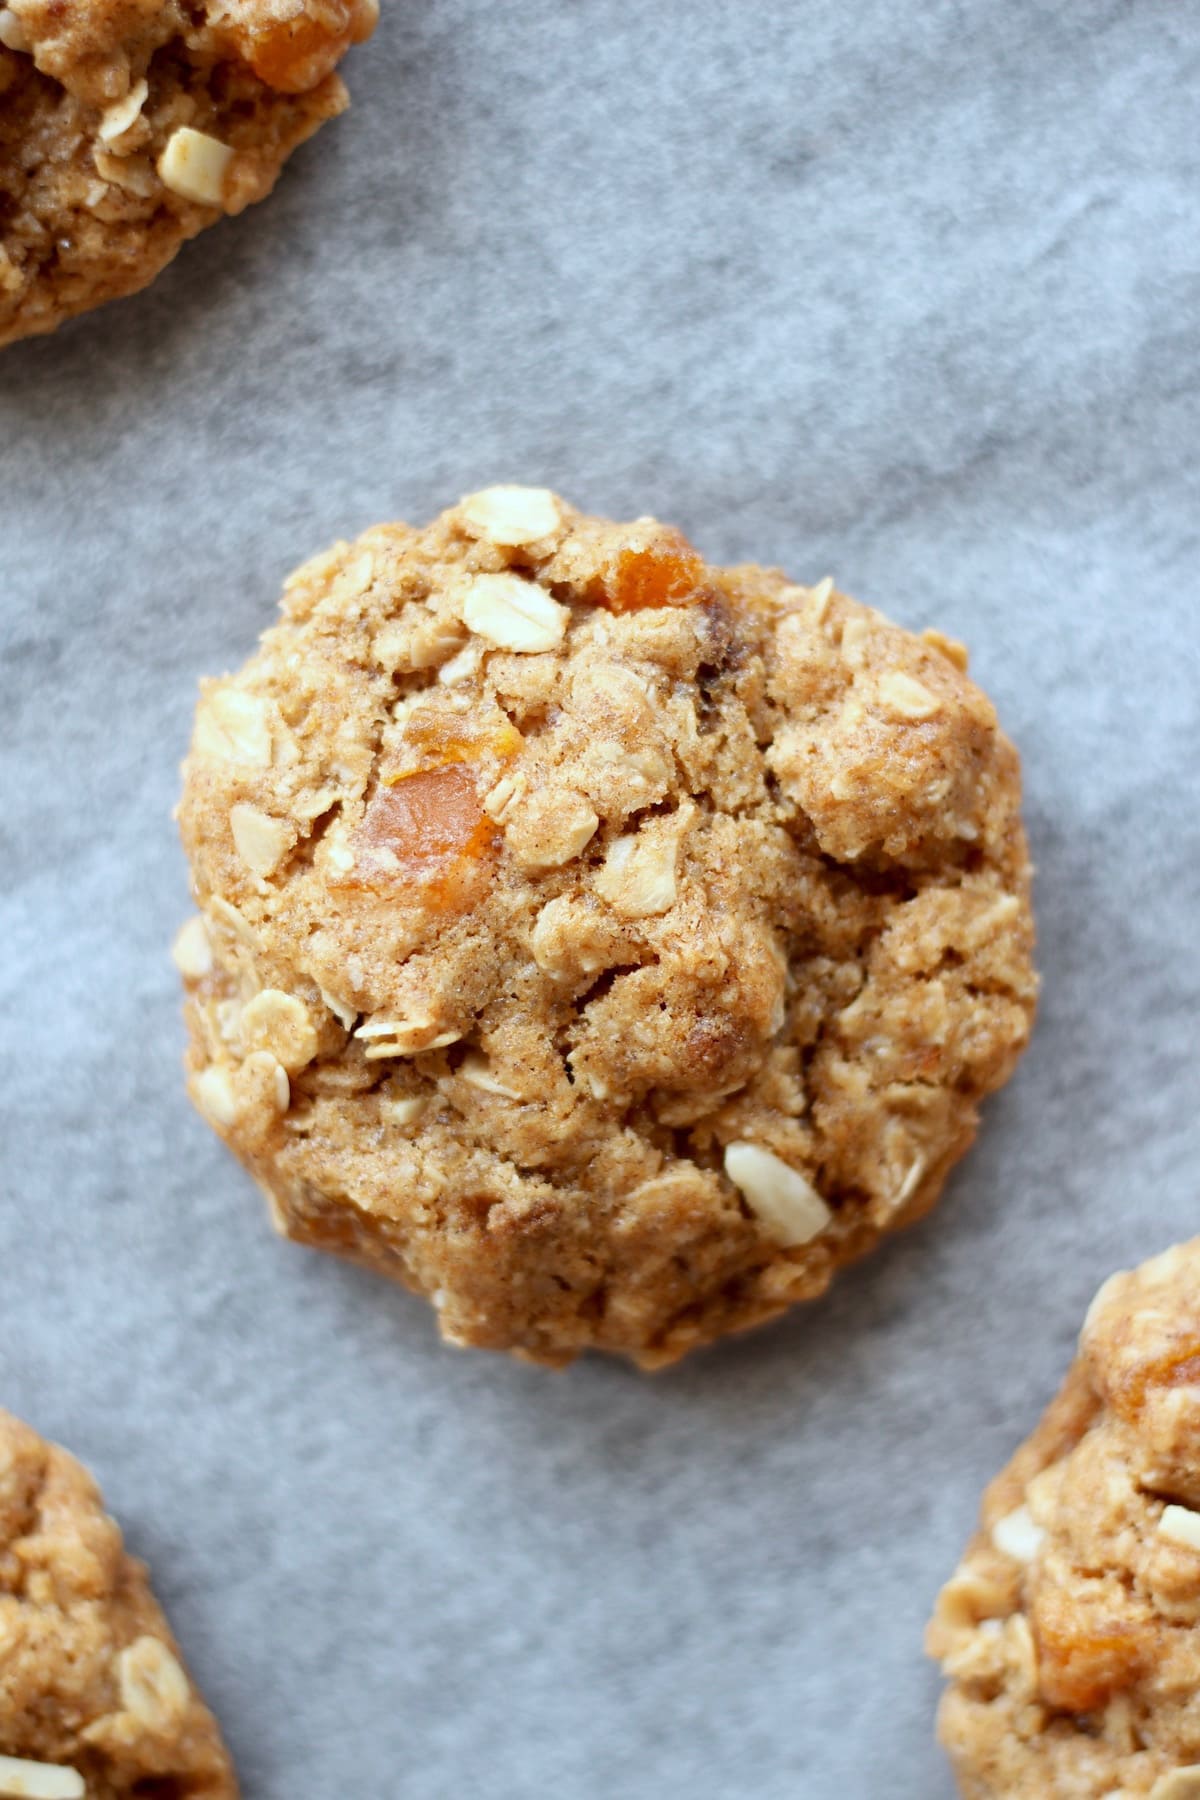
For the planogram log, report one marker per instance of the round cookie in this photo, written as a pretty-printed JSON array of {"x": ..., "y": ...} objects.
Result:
[
  {"x": 605, "y": 944},
  {"x": 94, "y": 1699},
  {"x": 1071, "y": 1630},
  {"x": 126, "y": 126}
]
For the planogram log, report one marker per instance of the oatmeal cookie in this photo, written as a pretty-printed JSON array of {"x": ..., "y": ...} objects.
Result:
[
  {"x": 94, "y": 1700},
  {"x": 1071, "y": 1630},
  {"x": 126, "y": 126},
  {"x": 607, "y": 945}
]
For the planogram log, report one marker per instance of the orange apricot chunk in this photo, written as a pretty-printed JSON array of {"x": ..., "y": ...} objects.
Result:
[
  {"x": 427, "y": 832},
  {"x": 666, "y": 571},
  {"x": 438, "y": 741},
  {"x": 293, "y": 55},
  {"x": 1174, "y": 1368},
  {"x": 1085, "y": 1654}
]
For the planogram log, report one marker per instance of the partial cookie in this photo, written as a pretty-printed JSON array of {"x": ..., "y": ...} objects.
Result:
[
  {"x": 1071, "y": 1630},
  {"x": 126, "y": 126},
  {"x": 94, "y": 1698},
  {"x": 607, "y": 945}
]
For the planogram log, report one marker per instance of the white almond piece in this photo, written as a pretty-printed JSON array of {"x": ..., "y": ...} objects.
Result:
[
  {"x": 234, "y": 922},
  {"x": 513, "y": 614},
  {"x": 194, "y": 165},
  {"x": 1179, "y": 1784},
  {"x": 512, "y": 516},
  {"x": 1017, "y": 1535},
  {"x": 416, "y": 640},
  {"x": 788, "y": 1206},
  {"x": 118, "y": 117},
  {"x": 233, "y": 724},
  {"x": 462, "y": 666},
  {"x": 575, "y": 824},
  {"x": 131, "y": 173},
  {"x": 280, "y": 1023},
  {"x": 153, "y": 1686},
  {"x": 550, "y": 829},
  {"x": 1180, "y": 1525},
  {"x": 261, "y": 841},
  {"x": 25, "y": 1780},
  {"x": 505, "y": 795},
  {"x": 192, "y": 951},
  {"x": 638, "y": 878},
  {"x": 906, "y": 697}
]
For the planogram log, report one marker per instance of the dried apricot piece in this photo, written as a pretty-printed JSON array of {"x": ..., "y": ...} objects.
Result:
[
  {"x": 426, "y": 831},
  {"x": 1174, "y": 1368},
  {"x": 1086, "y": 1653},
  {"x": 293, "y": 55},
  {"x": 665, "y": 571},
  {"x": 437, "y": 741}
]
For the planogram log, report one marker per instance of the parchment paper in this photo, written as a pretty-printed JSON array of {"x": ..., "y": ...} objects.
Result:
[{"x": 906, "y": 294}]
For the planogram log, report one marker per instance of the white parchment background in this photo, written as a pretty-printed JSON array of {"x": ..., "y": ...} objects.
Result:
[{"x": 905, "y": 293}]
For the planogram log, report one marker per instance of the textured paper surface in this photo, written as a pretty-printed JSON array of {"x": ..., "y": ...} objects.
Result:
[{"x": 906, "y": 294}]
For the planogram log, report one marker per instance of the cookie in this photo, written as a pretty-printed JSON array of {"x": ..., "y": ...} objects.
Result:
[
  {"x": 1070, "y": 1632},
  {"x": 126, "y": 126},
  {"x": 605, "y": 944},
  {"x": 94, "y": 1698}
]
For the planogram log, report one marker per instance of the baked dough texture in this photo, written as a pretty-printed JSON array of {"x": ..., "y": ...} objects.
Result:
[
  {"x": 126, "y": 126},
  {"x": 605, "y": 944},
  {"x": 94, "y": 1697},
  {"x": 1071, "y": 1630}
]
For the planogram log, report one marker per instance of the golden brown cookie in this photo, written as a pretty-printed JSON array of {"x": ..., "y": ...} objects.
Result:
[
  {"x": 607, "y": 945},
  {"x": 1071, "y": 1630},
  {"x": 94, "y": 1699},
  {"x": 126, "y": 126}
]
